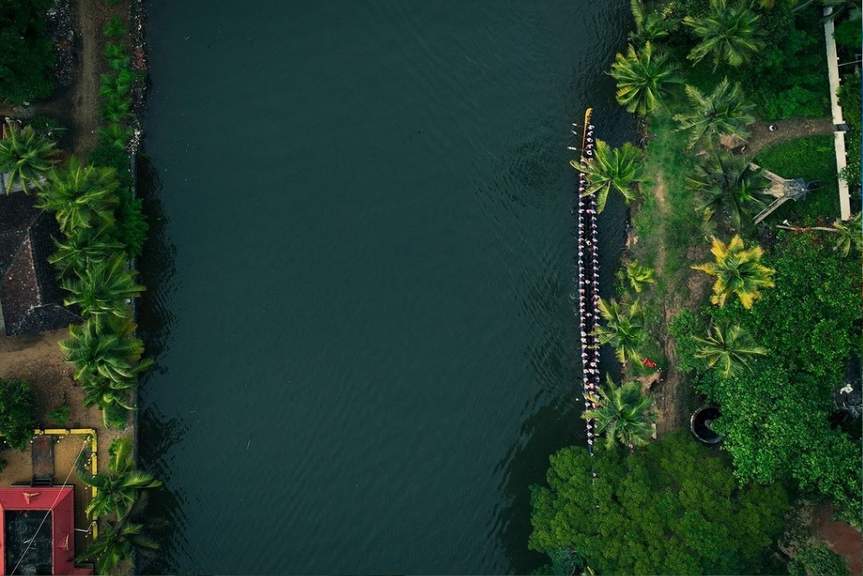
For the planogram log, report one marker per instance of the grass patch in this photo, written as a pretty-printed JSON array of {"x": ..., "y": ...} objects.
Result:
[{"x": 812, "y": 158}]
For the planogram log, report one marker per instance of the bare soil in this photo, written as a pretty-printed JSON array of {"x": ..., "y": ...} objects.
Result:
[
  {"x": 842, "y": 538},
  {"x": 791, "y": 129}
]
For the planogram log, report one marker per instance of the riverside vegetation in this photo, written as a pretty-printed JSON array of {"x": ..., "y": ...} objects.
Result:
[
  {"x": 757, "y": 321},
  {"x": 102, "y": 231}
]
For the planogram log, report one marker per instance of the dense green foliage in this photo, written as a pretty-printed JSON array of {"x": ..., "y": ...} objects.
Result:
[
  {"x": 26, "y": 51},
  {"x": 672, "y": 507},
  {"x": 849, "y": 98},
  {"x": 775, "y": 418},
  {"x": 817, "y": 560},
  {"x": 17, "y": 407}
]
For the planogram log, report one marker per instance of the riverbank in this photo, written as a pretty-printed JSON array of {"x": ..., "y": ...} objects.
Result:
[
  {"x": 77, "y": 146},
  {"x": 740, "y": 290}
]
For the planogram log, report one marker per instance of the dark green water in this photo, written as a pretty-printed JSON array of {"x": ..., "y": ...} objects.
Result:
[{"x": 361, "y": 276}]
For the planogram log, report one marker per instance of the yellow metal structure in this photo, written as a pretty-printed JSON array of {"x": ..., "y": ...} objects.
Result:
[{"x": 94, "y": 455}]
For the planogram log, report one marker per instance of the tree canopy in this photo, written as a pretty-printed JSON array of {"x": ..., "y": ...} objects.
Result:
[
  {"x": 26, "y": 52},
  {"x": 16, "y": 413},
  {"x": 672, "y": 507}
]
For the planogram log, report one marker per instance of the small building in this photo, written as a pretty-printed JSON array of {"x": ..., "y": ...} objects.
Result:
[
  {"x": 37, "y": 535},
  {"x": 30, "y": 299}
]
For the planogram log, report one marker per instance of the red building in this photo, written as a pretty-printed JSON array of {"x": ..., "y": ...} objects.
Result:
[{"x": 45, "y": 542}]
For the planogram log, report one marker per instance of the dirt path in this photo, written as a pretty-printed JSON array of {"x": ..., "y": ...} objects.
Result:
[
  {"x": 89, "y": 17},
  {"x": 78, "y": 106},
  {"x": 671, "y": 395},
  {"x": 785, "y": 130}
]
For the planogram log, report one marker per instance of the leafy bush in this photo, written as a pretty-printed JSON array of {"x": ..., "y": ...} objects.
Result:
[
  {"x": 817, "y": 560},
  {"x": 26, "y": 51},
  {"x": 60, "y": 415},
  {"x": 786, "y": 79},
  {"x": 114, "y": 28},
  {"x": 849, "y": 35},
  {"x": 849, "y": 98},
  {"x": 775, "y": 418},
  {"x": 682, "y": 328},
  {"x": 670, "y": 508},
  {"x": 17, "y": 407}
]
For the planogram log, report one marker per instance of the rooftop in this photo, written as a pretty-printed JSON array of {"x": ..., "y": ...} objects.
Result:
[{"x": 30, "y": 299}]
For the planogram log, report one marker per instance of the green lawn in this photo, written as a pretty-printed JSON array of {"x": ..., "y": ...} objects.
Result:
[{"x": 812, "y": 158}]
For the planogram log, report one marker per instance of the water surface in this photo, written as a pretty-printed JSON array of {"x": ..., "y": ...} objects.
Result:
[{"x": 361, "y": 276}]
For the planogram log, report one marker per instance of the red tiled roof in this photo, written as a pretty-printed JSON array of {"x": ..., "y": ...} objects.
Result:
[{"x": 61, "y": 501}]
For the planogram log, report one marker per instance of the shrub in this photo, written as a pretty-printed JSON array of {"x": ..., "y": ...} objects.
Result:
[
  {"x": 682, "y": 328},
  {"x": 17, "y": 407},
  {"x": 849, "y": 97},
  {"x": 817, "y": 560},
  {"x": 670, "y": 508},
  {"x": 114, "y": 28},
  {"x": 26, "y": 51}
]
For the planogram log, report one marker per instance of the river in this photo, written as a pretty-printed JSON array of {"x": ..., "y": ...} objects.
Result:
[{"x": 360, "y": 276}]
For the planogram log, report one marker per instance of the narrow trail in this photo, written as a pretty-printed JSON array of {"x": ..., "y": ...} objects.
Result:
[
  {"x": 672, "y": 394},
  {"x": 761, "y": 136}
]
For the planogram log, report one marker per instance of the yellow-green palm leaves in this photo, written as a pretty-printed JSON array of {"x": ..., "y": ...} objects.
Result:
[
  {"x": 638, "y": 276},
  {"x": 729, "y": 34},
  {"x": 624, "y": 329},
  {"x": 25, "y": 156},
  {"x": 723, "y": 111},
  {"x": 643, "y": 78},
  {"x": 611, "y": 169},
  {"x": 623, "y": 414},
  {"x": 849, "y": 236},
  {"x": 728, "y": 350},
  {"x": 738, "y": 271}
]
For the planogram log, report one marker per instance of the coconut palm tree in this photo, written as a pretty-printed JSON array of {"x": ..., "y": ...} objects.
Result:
[
  {"x": 118, "y": 504},
  {"x": 728, "y": 33},
  {"x": 84, "y": 247},
  {"x": 728, "y": 350},
  {"x": 103, "y": 288},
  {"x": 116, "y": 543},
  {"x": 105, "y": 348},
  {"x": 112, "y": 398},
  {"x": 643, "y": 78},
  {"x": 80, "y": 196},
  {"x": 624, "y": 329},
  {"x": 638, "y": 276},
  {"x": 25, "y": 156},
  {"x": 622, "y": 413},
  {"x": 611, "y": 169},
  {"x": 120, "y": 487},
  {"x": 738, "y": 271},
  {"x": 849, "y": 236},
  {"x": 649, "y": 26},
  {"x": 722, "y": 112},
  {"x": 729, "y": 185}
]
